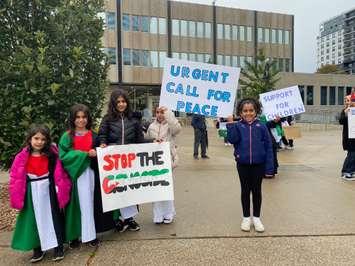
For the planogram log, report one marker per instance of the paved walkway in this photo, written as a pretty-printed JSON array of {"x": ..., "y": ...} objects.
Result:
[{"x": 308, "y": 213}]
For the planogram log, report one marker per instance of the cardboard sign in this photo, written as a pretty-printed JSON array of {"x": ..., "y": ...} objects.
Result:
[
  {"x": 351, "y": 123},
  {"x": 134, "y": 174},
  {"x": 199, "y": 88},
  {"x": 282, "y": 103}
]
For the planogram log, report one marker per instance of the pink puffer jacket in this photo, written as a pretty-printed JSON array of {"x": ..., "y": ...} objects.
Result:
[{"x": 18, "y": 173}]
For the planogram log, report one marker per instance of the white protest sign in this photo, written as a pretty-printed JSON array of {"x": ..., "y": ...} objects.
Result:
[
  {"x": 351, "y": 123},
  {"x": 282, "y": 103},
  {"x": 134, "y": 174},
  {"x": 199, "y": 88}
]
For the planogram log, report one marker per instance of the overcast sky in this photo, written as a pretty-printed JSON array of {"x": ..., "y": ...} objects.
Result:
[{"x": 308, "y": 15}]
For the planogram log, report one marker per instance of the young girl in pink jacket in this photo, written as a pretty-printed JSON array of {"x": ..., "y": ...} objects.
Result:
[{"x": 39, "y": 189}]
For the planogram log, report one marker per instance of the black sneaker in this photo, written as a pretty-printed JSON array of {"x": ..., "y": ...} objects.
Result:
[
  {"x": 74, "y": 244},
  {"x": 58, "y": 253},
  {"x": 132, "y": 225},
  {"x": 121, "y": 226},
  {"x": 38, "y": 255},
  {"x": 195, "y": 157},
  {"x": 94, "y": 243},
  {"x": 205, "y": 157}
]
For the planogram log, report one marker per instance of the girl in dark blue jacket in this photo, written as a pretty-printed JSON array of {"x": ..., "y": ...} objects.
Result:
[{"x": 254, "y": 157}]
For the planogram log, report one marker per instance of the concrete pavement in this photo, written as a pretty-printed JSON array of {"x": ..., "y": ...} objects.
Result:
[{"x": 308, "y": 213}]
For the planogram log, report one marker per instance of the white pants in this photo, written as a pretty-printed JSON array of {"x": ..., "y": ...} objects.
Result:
[
  {"x": 163, "y": 210},
  {"x": 43, "y": 214},
  {"x": 129, "y": 212},
  {"x": 86, "y": 185}
]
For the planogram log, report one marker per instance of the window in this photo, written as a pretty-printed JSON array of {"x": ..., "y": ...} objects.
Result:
[
  {"x": 242, "y": 33},
  {"x": 301, "y": 88},
  {"x": 162, "y": 56},
  {"x": 323, "y": 95},
  {"x": 207, "y": 30},
  {"x": 280, "y": 36},
  {"x": 111, "y": 54},
  {"x": 220, "y": 60},
  {"x": 340, "y": 95},
  {"x": 175, "y": 55},
  {"x": 235, "y": 61},
  {"x": 227, "y": 32},
  {"x": 273, "y": 36},
  {"x": 162, "y": 25},
  {"x": 331, "y": 95},
  {"x": 260, "y": 35},
  {"x": 192, "y": 29},
  {"x": 234, "y": 32},
  {"x": 287, "y": 65},
  {"x": 267, "y": 35},
  {"x": 145, "y": 24},
  {"x": 136, "y": 57},
  {"x": 309, "y": 95},
  {"x": 227, "y": 60},
  {"x": 145, "y": 58},
  {"x": 208, "y": 58},
  {"x": 154, "y": 59},
  {"x": 183, "y": 28},
  {"x": 175, "y": 27},
  {"x": 199, "y": 29},
  {"x": 249, "y": 34},
  {"x": 220, "y": 31},
  {"x": 249, "y": 59},
  {"x": 287, "y": 37},
  {"x": 111, "y": 20},
  {"x": 242, "y": 61},
  {"x": 125, "y": 22},
  {"x": 200, "y": 58},
  {"x": 192, "y": 57},
  {"x": 153, "y": 27},
  {"x": 281, "y": 64},
  {"x": 135, "y": 23},
  {"x": 348, "y": 90},
  {"x": 183, "y": 56},
  {"x": 126, "y": 57}
]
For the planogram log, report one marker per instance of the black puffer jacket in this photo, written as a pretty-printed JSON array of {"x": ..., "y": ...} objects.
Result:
[
  {"x": 348, "y": 144},
  {"x": 124, "y": 130}
]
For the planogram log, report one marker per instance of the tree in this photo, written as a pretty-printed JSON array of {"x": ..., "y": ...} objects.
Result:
[
  {"x": 51, "y": 57},
  {"x": 330, "y": 69},
  {"x": 259, "y": 78}
]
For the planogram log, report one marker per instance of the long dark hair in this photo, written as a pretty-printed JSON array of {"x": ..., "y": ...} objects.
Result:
[
  {"x": 44, "y": 130},
  {"x": 72, "y": 116},
  {"x": 112, "y": 111},
  {"x": 256, "y": 104}
]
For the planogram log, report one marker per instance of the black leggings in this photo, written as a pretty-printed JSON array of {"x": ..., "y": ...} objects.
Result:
[{"x": 251, "y": 177}]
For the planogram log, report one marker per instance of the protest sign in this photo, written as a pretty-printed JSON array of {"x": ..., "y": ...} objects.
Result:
[
  {"x": 199, "y": 88},
  {"x": 351, "y": 123},
  {"x": 282, "y": 103},
  {"x": 134, "y": 174}
]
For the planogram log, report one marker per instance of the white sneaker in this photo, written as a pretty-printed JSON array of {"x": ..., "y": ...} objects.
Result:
[
  {"x": 259, "y": 227},
  {"x": 245, "y": 226}
]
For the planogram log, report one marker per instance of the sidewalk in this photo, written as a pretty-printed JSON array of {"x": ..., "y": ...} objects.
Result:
[{"x": 308, "y": 213}]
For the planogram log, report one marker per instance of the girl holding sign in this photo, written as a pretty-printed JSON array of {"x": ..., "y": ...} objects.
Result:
[
  {"x": 165, "y": 128},
  {"x": 119, "y": 127},
  {"x": 254, "y": 156},
  {"x": 77, "y": 152},
  {"x": 39, "y": 188}
]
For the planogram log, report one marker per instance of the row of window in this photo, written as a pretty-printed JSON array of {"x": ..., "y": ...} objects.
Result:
[
  {"x": 274, "y": 36},
  {"x": 234, "y": 32},
  {"x": 336, "y": 94},
  {"x": 193, "y": 29},
  {"x": 154, "y": 25},
  {"x": 146, "y": 58}
]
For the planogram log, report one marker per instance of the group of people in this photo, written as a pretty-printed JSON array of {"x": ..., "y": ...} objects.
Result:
[{"x": 57, "y": 189}]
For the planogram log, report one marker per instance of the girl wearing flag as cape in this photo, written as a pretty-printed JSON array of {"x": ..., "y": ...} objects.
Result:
[
  {"x": 78, "y": 154},
  {"x": 39, "y": 189}
]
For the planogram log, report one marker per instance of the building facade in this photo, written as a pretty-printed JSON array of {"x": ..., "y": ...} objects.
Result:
[
  {"x": 139, "y": 35},
  {"x": 322, "y": 94},
  {"x": 336, "y": 42}
]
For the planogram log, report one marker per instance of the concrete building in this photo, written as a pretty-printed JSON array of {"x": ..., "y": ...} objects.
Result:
[
  {"x": 139, "y": 35},
  {"x": 322, "y": 94},
  {"x": 336, "y": 42}
]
